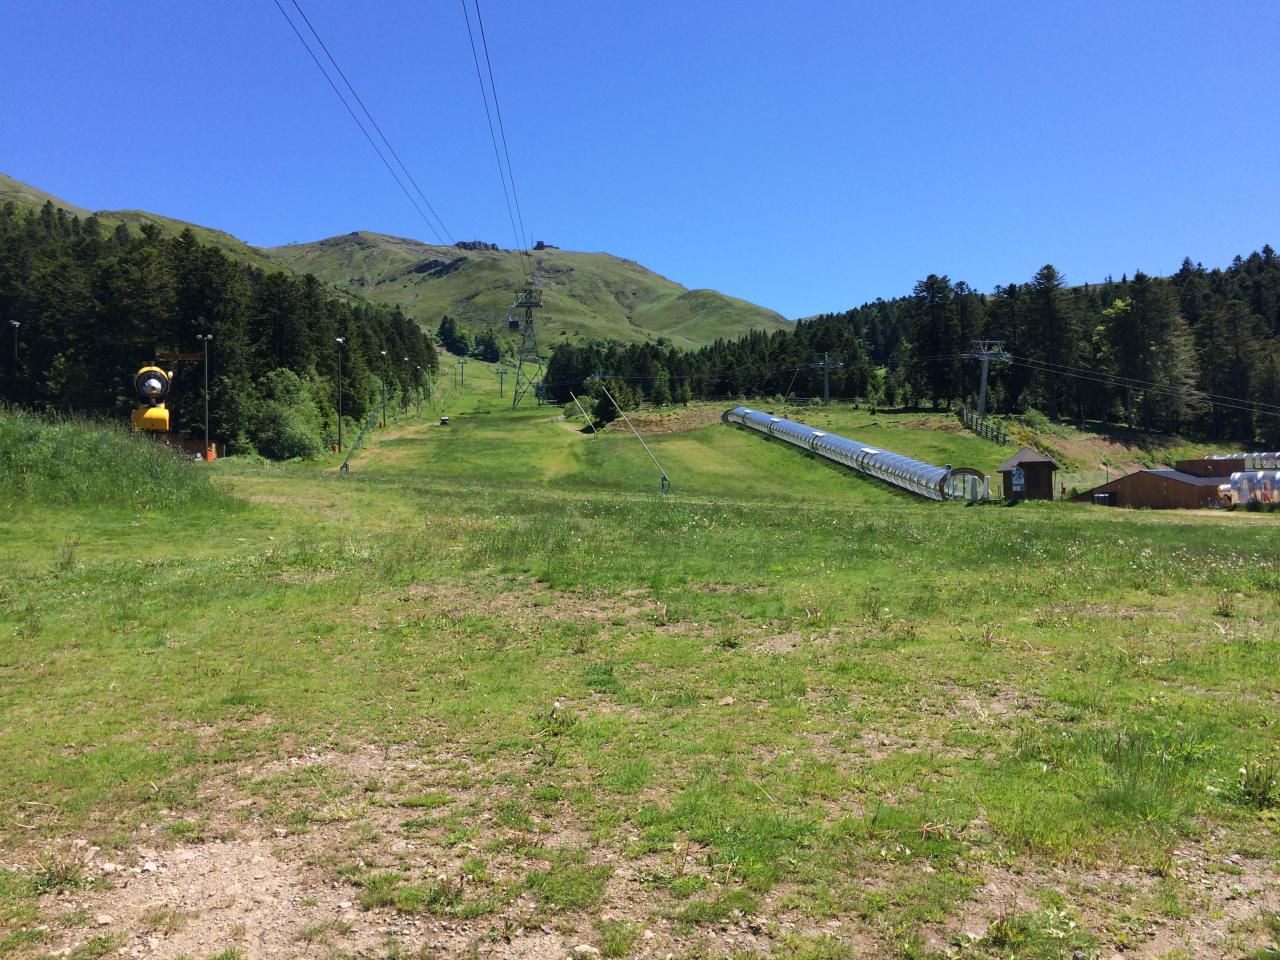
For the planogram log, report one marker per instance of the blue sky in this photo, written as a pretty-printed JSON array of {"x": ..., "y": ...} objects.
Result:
[{"x": 806, "y": 156}]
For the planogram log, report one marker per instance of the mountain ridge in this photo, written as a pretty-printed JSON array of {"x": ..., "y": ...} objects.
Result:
[{"x": 586, "y": 294}]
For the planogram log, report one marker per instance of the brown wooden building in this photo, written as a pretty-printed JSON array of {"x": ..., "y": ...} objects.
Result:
[
  {"x": 1037, "y": 475},
  {"x": 1156, "y": 490}
]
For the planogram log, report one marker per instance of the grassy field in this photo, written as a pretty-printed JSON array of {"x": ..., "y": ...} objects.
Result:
[{"x": 494, "y": 695}]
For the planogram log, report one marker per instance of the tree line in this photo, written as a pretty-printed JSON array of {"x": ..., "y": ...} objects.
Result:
[
  {"x": 92, "y": 305},
  {"x": 1195, "y": 352}
]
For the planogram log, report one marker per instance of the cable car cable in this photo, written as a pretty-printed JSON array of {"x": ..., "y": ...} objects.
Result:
[
  {"x": 1140, "y": 384},
  {"x": 493, "y": 87},
  {"x": 493, "y": 137},
  {"x": 338, "y": 94},
  {"x": 1158, "y": 390},
  {"x": 327, "y": 53}
]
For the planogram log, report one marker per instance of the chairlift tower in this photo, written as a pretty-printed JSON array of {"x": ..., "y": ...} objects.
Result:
[
  {"x": 826, "y": 365},
  {"x": 986, "y": 351},
  {"x": 528, "y": 365}
]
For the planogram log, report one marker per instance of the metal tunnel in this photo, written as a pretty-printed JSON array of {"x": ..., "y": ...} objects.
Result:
[{"x": 922, "y": 479}]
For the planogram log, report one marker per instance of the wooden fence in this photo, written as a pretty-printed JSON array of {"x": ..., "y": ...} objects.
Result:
[{"x": 981, "y": 425}]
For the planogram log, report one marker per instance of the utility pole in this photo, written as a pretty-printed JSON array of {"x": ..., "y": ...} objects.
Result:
[
  {"x": 206, "y": 338},
  {"x": 340, "y": 341},
  {"x": 502, "y": 377},
  {"x": 385, "y": 374},
  {"x": 986, "y": 351},
  {"x": 826, "y": 363},
  {"x": 463, "y": 364}
]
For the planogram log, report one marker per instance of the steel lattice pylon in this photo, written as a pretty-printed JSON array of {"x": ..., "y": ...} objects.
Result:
[{"x": 529, "y": 365}]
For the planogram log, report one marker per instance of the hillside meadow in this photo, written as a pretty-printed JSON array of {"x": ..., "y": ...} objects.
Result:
[
  {"x": 494, "y": 695},
  {"x": 586, "y": 295}
]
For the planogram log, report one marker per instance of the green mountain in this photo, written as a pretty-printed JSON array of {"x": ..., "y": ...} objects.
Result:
[
  {"x": 24, "y": 195},
  {"x": 585, "y": 294}
]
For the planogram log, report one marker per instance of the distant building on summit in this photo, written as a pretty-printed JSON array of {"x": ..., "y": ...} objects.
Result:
[{"x": 543, "y": 245}]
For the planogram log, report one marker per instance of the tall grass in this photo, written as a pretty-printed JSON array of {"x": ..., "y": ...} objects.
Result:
[{"x": 62, "y": 461}]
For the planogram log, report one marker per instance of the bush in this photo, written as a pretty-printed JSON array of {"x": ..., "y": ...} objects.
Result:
[
  {"x": 286, "y": 422},
  {"x": 602, "y": 408}
]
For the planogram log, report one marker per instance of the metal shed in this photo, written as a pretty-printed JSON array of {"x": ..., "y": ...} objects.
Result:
[
  {"x": 1225, "y": 464},
  {"x": 1156, "y": 490},
  {"x": 1037, "y": 475},
  {"x": 1222, "y": 467}
]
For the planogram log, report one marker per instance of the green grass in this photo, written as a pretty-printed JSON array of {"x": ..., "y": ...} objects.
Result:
[
  {"x": 77, "y": 463},
  {"x": 779, "y": 691}
]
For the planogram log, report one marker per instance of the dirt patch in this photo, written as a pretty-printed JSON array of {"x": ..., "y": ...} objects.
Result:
[
  {"x": 524, "y": 600},
  {"x": 1224, "y": 893},
  {"x": 788, "y": 641},
  {"x": 939, "y": 424},
  {"x": 272, "y": 893},
  {"x": 679, "y": 420}
]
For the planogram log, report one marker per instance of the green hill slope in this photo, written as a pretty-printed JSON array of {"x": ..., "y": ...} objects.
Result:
[
  {"x": 586, "y": 294},
  {"x": 24, "y": 195}
]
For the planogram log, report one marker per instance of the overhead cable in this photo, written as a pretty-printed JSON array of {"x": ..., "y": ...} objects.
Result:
[
  {"x": 356, "y": 119},
  {"x": 502, "y": 129},
  {"x": 493, "y": 138},
  {"x": 327, "y": 53}
]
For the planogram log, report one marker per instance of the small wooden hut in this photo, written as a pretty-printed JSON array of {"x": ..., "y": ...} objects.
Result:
[{"x": 1035, "y": 471}]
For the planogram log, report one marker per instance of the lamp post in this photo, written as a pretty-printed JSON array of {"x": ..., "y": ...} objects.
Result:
[
  {"x": 340, "y": 341},
  {"x": 206, "y": 338},
  {"x": 404, "y": 401},
  {"x": 13, "y": 364},
  {"x": 419, "y": 391},
  {"x": 385, "y": 374}
]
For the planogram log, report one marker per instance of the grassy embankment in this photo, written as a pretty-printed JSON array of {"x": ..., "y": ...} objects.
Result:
[{"x": 493, "y": 678}]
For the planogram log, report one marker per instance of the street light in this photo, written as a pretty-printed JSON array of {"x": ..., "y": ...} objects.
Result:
[
  {"x": 385, "y": 374},
  {"x": 419, "y": 379},
  {"x": 206, "y": 338},
  {"x": 13, "y": 364},
  {"x": 340, "y": 341},
  {"x": 404, "y": 400}
]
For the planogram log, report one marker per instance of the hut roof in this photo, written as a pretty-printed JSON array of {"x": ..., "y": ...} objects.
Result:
[{"x": 1025, "y": 455}]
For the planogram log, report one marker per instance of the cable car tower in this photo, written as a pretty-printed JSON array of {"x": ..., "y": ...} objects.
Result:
[{"x": 529, "y": 365}]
